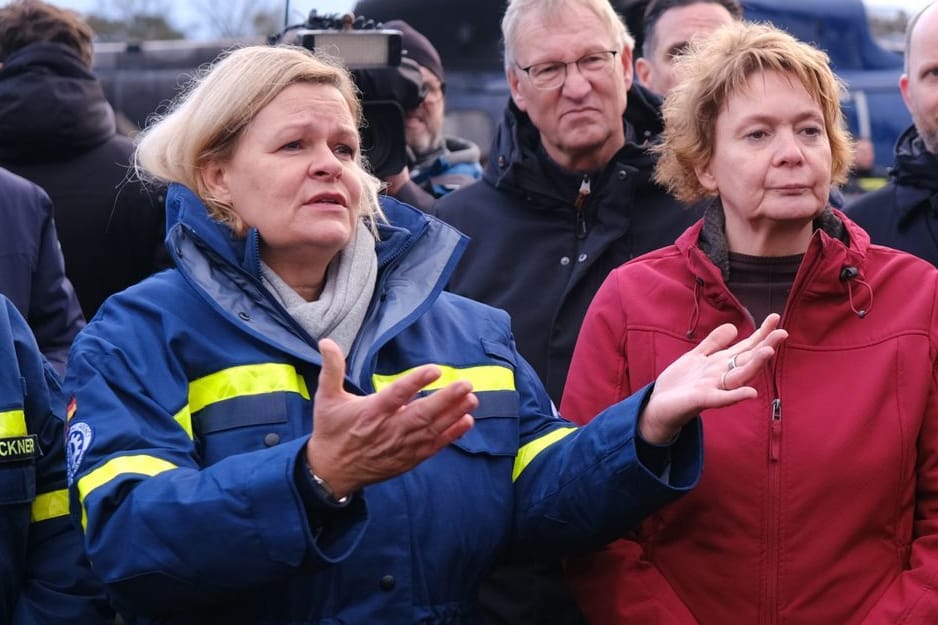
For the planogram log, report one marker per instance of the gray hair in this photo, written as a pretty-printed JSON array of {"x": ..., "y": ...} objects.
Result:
[{"x": 518, "y": 10}]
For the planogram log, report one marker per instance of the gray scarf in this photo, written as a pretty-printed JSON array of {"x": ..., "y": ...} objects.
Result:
[{"x": 340, "y": 310}]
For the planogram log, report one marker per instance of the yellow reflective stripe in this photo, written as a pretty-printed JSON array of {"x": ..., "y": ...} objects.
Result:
[
  {"x": 530, "y": 451},
  {"x": 114, "y": 468},
  {"x": 12, "y": 423},
  {"x": 483, "y": 378},
  {"x": 245, "y": 380},
  {"x": 50, "y": 505},
  {"x": 184, "y": 419}
]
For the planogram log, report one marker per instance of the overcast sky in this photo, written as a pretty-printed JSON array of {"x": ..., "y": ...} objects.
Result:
[{"x": 185, "y": 13}]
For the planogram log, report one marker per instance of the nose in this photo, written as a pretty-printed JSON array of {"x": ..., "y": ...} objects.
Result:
[
  {"x": 325, "y": 164},
  {"x": 575, "y": 84},
  {"x": 788, "y": 148}
]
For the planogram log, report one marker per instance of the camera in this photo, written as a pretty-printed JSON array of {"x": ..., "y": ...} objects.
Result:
[{"x": 389, "y": 83}]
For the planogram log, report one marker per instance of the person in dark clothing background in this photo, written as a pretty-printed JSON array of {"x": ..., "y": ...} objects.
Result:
[
  {"x": 668, "y": 27},
  {"x": 58, "y": 130},
  {"x": 437, "y": 163},
  {"x": 904, "y": 212},
  {"x": 566, "y": 197},
  {"x": 32, "y": 272}
]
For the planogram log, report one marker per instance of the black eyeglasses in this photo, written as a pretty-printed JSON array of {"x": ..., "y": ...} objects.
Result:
[{"x": 552, "y": 74}]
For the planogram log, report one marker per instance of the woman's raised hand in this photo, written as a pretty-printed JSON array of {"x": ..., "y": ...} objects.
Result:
[
  {"x": 712, "y": 375},
  {"x": 361, "y": 440}
]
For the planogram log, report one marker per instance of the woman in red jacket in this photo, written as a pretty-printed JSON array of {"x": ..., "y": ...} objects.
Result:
[{"x": 818, "y": 503}]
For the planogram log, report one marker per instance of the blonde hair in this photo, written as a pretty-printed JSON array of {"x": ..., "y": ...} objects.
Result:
[
  {"x": 519, "y": 10},
  {"x": 205, "y": 123},
  {"x": 716, "y": 67}
]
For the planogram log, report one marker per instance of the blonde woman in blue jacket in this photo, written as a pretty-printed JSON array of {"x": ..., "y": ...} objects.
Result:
[{"x": 296, "y": 425}]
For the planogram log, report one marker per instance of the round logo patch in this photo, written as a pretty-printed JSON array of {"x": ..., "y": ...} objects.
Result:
[{"x": 76, "y": 444}]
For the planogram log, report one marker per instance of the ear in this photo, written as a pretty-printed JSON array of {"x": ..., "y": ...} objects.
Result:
[
  {"x": 904, "y": 89},
  {"x": 706, "y": 179},
  {"x": 514, "y": 83},
  {"x": 215, "y": 178},
  {"x": 643, "y": 70},
  {"x": 627, "y": 70}
]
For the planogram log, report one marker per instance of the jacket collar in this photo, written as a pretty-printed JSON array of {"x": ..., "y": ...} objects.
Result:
[
  {"x": 417, "y": 254},
  {"x": 915, "y": 175},
  {"x": 516, "y": 165},
  {"x": 833, "y": 263}
]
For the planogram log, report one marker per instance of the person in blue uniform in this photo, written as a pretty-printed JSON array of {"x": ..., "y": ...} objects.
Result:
[
  {"x": 45, "y": 578},
  {"x": 297, "y": 425}
]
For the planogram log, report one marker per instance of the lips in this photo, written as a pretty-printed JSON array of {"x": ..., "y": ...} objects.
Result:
[{"x": 328, "y": 198}]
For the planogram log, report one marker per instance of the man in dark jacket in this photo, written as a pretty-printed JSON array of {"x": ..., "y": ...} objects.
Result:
[
  {"x": 44, "y": 574},
  {"x": 567, "y": 195},
  {"x": 32, "y": 272},
  {"x": 57, "y": 129},
  {"x": 904, "y": 213}
]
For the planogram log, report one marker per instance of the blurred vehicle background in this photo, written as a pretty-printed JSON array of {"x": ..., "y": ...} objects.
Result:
[{"x": 141, "y": 74}]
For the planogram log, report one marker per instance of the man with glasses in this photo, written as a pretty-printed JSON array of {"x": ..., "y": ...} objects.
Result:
[
  {"x": 566, "y": 196},
  {"x": 437, "y": 163}
]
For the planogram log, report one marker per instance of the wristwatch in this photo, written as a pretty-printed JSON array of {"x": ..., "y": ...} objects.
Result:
[{"x": 325, "y": 490}]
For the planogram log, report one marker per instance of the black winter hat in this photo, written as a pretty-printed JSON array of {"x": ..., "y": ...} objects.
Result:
[{"x": 418, "y": 47}]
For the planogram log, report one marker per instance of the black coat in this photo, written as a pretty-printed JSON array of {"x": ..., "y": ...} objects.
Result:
[
  {"x": 57, "y": 129},
  {"x": 534, "y": 256},
  {"x": 903, "y": 214}
]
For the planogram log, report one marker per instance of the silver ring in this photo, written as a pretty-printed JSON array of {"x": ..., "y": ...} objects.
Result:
[
  {"x": 723, "y": 380},
  {"x": 732, "y": 363}
]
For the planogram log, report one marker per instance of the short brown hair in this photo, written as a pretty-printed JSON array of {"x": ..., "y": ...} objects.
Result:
[
  {"x": 23, "y": 22},
  {"x": 718, "y": 66}
]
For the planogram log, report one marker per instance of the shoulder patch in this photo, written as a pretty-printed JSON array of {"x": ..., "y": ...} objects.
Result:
[{"x": 76, "y": 444}]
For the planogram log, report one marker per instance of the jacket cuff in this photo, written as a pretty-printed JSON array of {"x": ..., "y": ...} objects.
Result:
[
  {"x": 678, "y": 462},
  {"x": 286, "y": 517}
]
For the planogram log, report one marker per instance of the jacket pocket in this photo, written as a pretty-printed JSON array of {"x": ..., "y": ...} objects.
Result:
[
  {"x": 17, "y": 483},
  {"x": 496, "y": 427},
  {"x": 240, "y": 425}
]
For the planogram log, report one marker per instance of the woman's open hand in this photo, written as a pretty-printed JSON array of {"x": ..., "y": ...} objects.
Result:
[
  {"x": 712, "y": 375},
  {"x": 361, "y": 440}
]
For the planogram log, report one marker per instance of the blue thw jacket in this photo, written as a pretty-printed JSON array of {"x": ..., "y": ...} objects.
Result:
[
  {"x": 44, "y": 576},
  {"x": 194, "y": 392}
]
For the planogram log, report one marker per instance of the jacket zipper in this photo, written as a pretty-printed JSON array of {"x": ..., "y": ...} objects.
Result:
[
  {"x": 774, "y": 509},
  {"x": 775, "y": 499},
  {"x": 578, "y": 205}
]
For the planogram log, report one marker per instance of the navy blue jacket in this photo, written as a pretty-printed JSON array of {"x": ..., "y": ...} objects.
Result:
[
  {"x": 194, "y": 405},
  {"x": 44, "y": 576},
  {"x": 903, "y": 214},
  {"x": 32, "y": 271}
]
